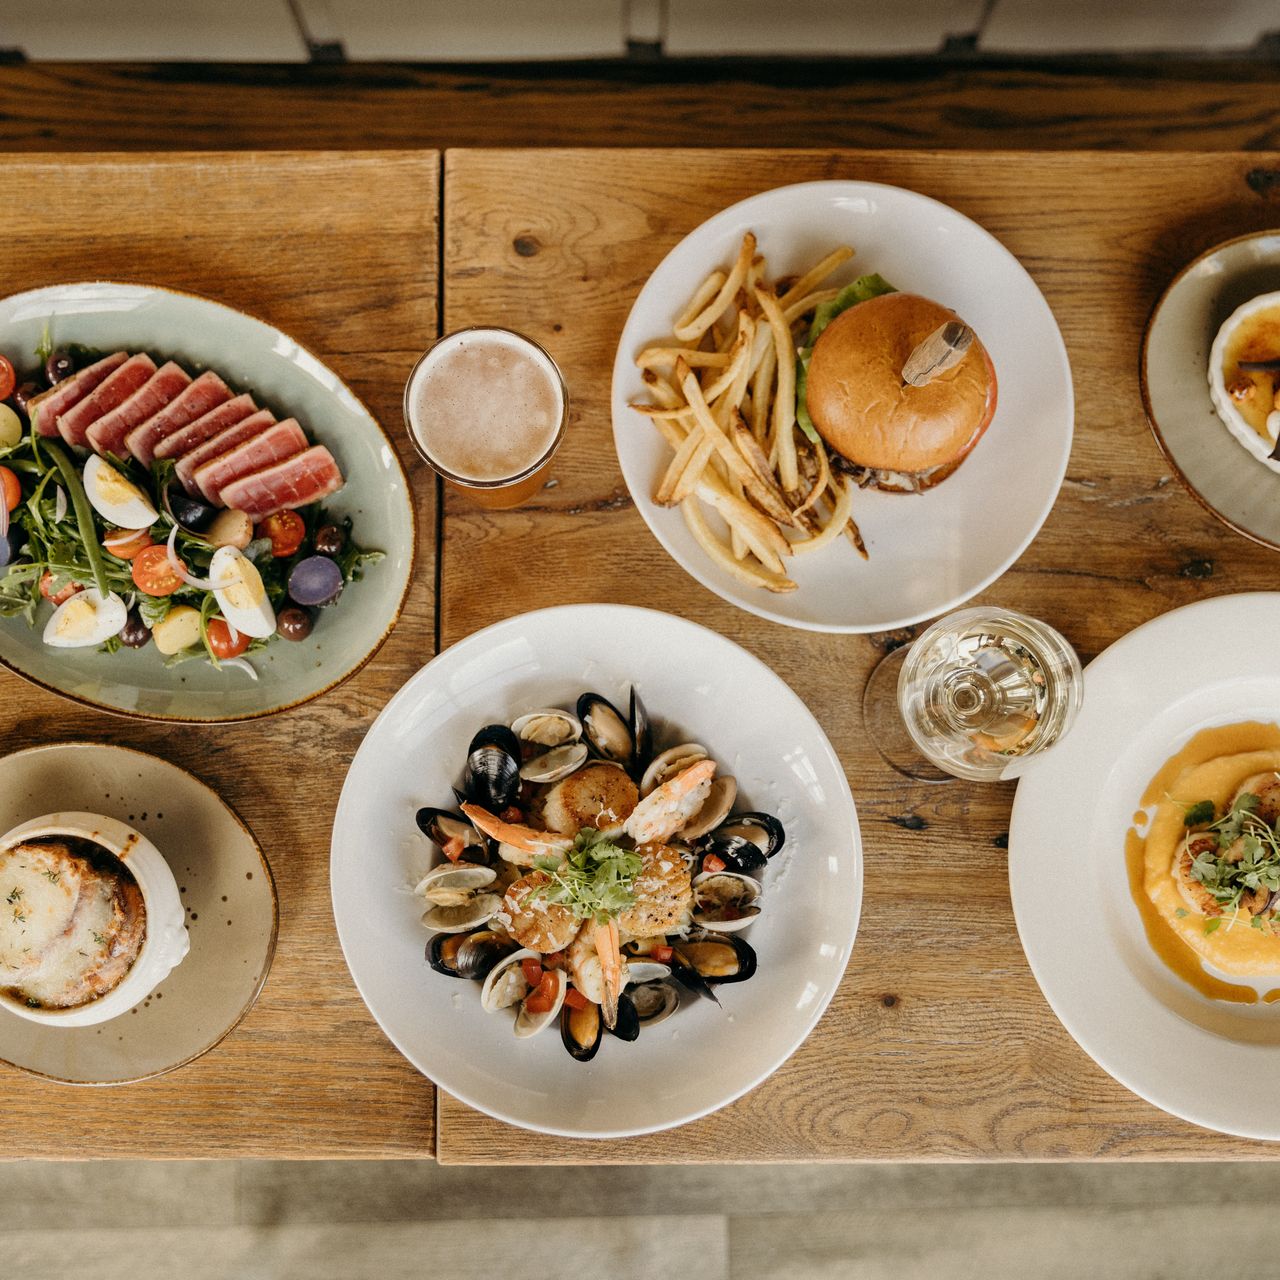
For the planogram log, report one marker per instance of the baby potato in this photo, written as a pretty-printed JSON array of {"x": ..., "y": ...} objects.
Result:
[
  {"x": 179, "y": 629},
  {"x": 231, "y": 528}
]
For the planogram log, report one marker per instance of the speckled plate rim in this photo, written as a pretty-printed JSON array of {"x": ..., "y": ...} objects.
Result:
[
  {"x": 269, "y": 959},
  {"x": 1149, "y": 411},
  {"x": 159, "y": 717}
]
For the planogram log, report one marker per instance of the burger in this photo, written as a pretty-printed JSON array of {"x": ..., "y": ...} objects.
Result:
[{"x": 888, "y": 433}]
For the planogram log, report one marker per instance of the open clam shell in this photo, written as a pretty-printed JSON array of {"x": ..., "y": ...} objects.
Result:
[
  {"x": 715, "y": 809},
  {"x": 529, "y": 1024},
  {"x": 455, "y": 897},
  {"x": 547, "y": 727},
  {"x": 555, "y": 764},
  {"x": 654, "y": 1001},
  {"x": 725, "y": 901},
  {"x": 666, "y": 764},
  {"x": 505, "y": 984},
  {"x": 642, "y": 971}
]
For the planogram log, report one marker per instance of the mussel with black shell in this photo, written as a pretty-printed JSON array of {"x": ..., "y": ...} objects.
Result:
[
  {"x": 456, "y": 838},
  {"x": 492, "y": 775},
  {"x": 582, "y": 1030},
  {"x": 468, "y": 955},
  {"x": 712, "y": 960},
  {"x": 746, "y": 841},
  {"x": 623, "y": 740}
]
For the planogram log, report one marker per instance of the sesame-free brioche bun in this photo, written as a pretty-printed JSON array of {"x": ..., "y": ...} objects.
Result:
[{"x": 866, "y": 413}]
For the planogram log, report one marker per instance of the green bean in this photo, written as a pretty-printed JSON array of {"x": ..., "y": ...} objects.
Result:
[{"x": 84, "y": 515}]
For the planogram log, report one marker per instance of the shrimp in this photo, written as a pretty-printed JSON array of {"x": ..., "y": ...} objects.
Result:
[
  {"x": 516, "y": 837},
  {"x": 533, "y": 921},
  {"x": 665, "y": 810},
  {"x": 597, "y": 967}
]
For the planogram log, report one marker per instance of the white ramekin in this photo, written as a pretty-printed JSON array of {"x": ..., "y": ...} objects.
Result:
[
  {"x": 166, "y": 940},
  {"x": 1222, "y": 402}
]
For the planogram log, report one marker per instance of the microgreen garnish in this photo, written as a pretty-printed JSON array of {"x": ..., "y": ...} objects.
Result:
[
  {"x": 1198, "y": 814},
  {"x": 1246, "y": 859},
  {"x": 593, "y": 879},
  {"x": 1181, "y": 913},
  {"x": 14, "y": 894}
]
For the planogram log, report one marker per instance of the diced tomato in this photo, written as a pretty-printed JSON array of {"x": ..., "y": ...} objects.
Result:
[
  {"x": 553, "y": 960},
  {"x": 543, "y": 998},
  {"x": 286, "y": 529},
  {"x": 575, "y": 999},
  {"x": 8, "y": 379},
  {"x": 125, "y": 544},
  {"x": 153, "y": 573},
  {"x": 221, "y": 642},
  {"x": 511, "y": 814},
  {"x": 454, "y": 848},
  {"x": 10, "y": 484},
  {"x": 46, "y": 590},
  {"x": 663, "y": 954},
  {"x": 713, "y": 862},
  {"x": 532, "y": 970}
]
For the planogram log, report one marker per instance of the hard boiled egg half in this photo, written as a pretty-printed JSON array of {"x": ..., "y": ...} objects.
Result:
[
  {"x": 116, "y": 498},
  {"x": 238, "y": 589},
  {"x": 87, "y": 618}
]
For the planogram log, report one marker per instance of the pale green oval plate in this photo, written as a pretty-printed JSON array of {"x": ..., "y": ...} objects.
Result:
[{"x": 252, "y": 356}]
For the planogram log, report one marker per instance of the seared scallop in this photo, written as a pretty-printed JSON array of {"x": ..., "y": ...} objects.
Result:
[
  {"x": 600, "y": 795},
  {"x": 663, "y": 894}
]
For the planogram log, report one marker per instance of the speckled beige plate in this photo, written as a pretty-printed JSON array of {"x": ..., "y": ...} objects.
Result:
[
  {"x": 226, "y": 886},
  {"x": 1217, "y": 471}
]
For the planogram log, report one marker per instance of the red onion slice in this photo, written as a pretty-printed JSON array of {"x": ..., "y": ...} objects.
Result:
[
  {"x": 179, "y": 569},
  {"x": 60, "y": 504},
  {"x": 241, "y": 664}
]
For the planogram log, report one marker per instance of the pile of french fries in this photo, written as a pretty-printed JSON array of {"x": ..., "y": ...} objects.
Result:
[{"x": 724, "y": 399}]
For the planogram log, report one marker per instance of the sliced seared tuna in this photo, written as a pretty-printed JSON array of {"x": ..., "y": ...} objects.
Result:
[
  {"x": 45, "y": 407},
  {"x": 205, "y": 393},
  {"x": 114, "y": 390},
  {"x": 233, "y": 435},
  {"x": 268, "y": 447},
  {"x": 205, "y": 427},
  {"x": 306, "y": 477},
  {"x": 107, "y": 435}
]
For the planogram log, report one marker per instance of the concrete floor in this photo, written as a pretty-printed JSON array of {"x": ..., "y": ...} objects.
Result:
[{"x": 387, "y": 1220}]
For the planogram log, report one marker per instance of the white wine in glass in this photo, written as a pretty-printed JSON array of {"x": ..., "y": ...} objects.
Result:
[{"x": 984, "y": 689}]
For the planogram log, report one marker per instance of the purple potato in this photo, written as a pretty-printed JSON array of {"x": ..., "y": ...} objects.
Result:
[{"x": 314, "y": 581}]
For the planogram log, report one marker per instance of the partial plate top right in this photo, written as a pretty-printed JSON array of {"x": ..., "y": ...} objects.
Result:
[
  {"x": 929, "y": 552},
  {"x": 1241, "y": 491}
]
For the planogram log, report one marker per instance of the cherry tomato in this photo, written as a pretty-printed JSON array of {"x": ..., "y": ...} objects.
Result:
[
  {"x": 126, "y": 544},
  {"x": 12, "y": 488},
  {"x": 153, "y": 573},
  {"x": 575, "y": 999},
  {"x": 8, "y": 379},
  {"x": 220, "y": 641},
  {"x": 544, "y": 998},
  {"x": 532, "y": 970},
  {"x": 46, "y": 590},
  {"x": 286, "y": 530},
  {"x": 713, "y": 862}
]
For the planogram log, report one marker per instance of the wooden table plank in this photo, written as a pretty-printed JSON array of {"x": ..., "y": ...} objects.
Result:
[
  {"x": 938, "y": 1044},
  {"x": 341, "y": 252},
  {"x": 1157, "y": 103}
]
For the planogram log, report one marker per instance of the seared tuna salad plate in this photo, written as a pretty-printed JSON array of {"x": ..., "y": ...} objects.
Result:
[{"x": 199, "y": 521}]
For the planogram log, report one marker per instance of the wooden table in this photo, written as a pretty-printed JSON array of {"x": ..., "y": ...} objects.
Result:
[
  {"x": 341, "y": 252},
  {"x": 938, "y": 1044}
]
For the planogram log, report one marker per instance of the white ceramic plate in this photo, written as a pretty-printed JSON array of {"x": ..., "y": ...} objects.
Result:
[
  {"x": 697, "y": 686},
  {"x": 281, "y": 375},
  {"x": 225, "y": 885},
  {"x": 1240, "y": 490},
  {"x": 929, "y": 552},
  {"x": 1206, "y": 664}
]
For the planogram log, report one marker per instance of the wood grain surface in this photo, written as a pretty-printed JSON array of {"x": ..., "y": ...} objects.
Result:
[
  {"x": 339, "y": 251},
  {"x": 1160, "y": 104},
  {"x": 938, "y": 1044}
]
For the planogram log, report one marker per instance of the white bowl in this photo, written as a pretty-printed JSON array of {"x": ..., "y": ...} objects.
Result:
[
  {"x": 697, "y": 686},
  {"x": 166, "y": 940},
  {"x": 930, "y": 552},
  {"x": 1232, "y": 418}
]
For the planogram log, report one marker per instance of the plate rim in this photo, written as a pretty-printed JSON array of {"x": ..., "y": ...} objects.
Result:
[
  {"x": 644, "y": 504},
  {"x": 1121, "y": 646},
  {"x": 478, "y": 640},
  {"x": 156, "y": 717},
  {"x": 1149, "y": 410},
  {"x": 76, "y": 744}
]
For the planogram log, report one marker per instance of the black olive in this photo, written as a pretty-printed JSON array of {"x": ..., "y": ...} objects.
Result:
[
  {"x": 23, "y": 396},
  {"x": 189, "y": 512},
  {"x": 58, "y": 366},
  {"x": 294, "y": 623},
  {"x": 329, "y": 540},
  {"x": 135, "y": 633}
]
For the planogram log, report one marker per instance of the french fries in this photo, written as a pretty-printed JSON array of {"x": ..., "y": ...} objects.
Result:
[{"x": 723, "y": 390}]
